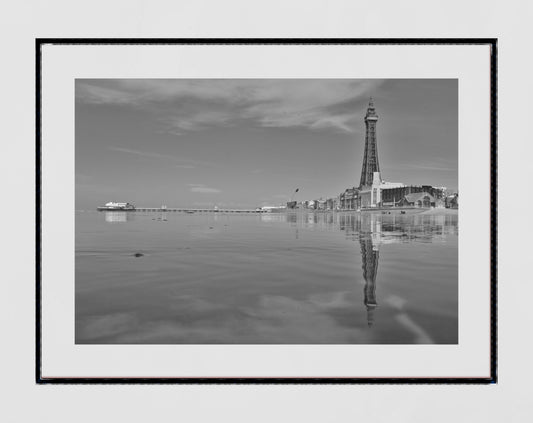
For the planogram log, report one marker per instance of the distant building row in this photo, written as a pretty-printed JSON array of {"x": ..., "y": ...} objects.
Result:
[
  {"x": 424, "y": 196},
  {"x": 394, "y": 194}
]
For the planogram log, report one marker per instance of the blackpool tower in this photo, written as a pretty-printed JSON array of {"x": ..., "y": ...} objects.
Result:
[{"x": 370, "y": 160}]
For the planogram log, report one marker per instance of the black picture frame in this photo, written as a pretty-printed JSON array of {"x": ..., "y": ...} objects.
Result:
[{"x": 491, "y": 42}]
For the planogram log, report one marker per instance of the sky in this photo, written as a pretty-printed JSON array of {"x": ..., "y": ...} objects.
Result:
[{"x": 252, "y": 142}]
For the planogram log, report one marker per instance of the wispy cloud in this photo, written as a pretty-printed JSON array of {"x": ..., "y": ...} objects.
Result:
[
  {"x": 195, "y": 121},
  {"x": 191, "y": 105},
  {"x": 438, "y": 165},
  {"x": 435, "y": 168},
  {"x": 203, "y": 189},
  {"x": 141, "y": 153},
  {"x": 184, "y": 163},
  {"x": 81, "y": 177}
]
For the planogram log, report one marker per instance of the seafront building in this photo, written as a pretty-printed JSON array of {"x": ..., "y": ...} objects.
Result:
[
  {"x": 452, "y": 201},
  {"x": 348, "y": 199}
]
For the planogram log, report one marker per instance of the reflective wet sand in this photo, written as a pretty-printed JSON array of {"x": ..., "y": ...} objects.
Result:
[{"x": 295, "y": 278}]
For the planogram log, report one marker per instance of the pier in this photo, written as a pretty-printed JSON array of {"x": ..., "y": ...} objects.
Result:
[{"x": 183, "y": 210}]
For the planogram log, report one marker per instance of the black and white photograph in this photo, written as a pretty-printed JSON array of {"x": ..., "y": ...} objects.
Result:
[{"x": 266, "y": 211}]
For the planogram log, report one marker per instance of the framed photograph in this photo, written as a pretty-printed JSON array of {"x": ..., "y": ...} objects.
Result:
[{"x": 266, "y": 211}]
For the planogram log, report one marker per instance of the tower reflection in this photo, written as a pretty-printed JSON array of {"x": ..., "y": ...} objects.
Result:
[
  {"x": 369, "y": 240},
  {"x": 370, "y": 258},
  {"x": 366, "y": 228},
  {"x": 372, "y": 230}
]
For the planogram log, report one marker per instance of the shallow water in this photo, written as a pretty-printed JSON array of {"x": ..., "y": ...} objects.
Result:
[{"x": 295, "y": 278}]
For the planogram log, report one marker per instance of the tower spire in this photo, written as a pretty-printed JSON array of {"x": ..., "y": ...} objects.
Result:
[{"x": 370, "y": 160}]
